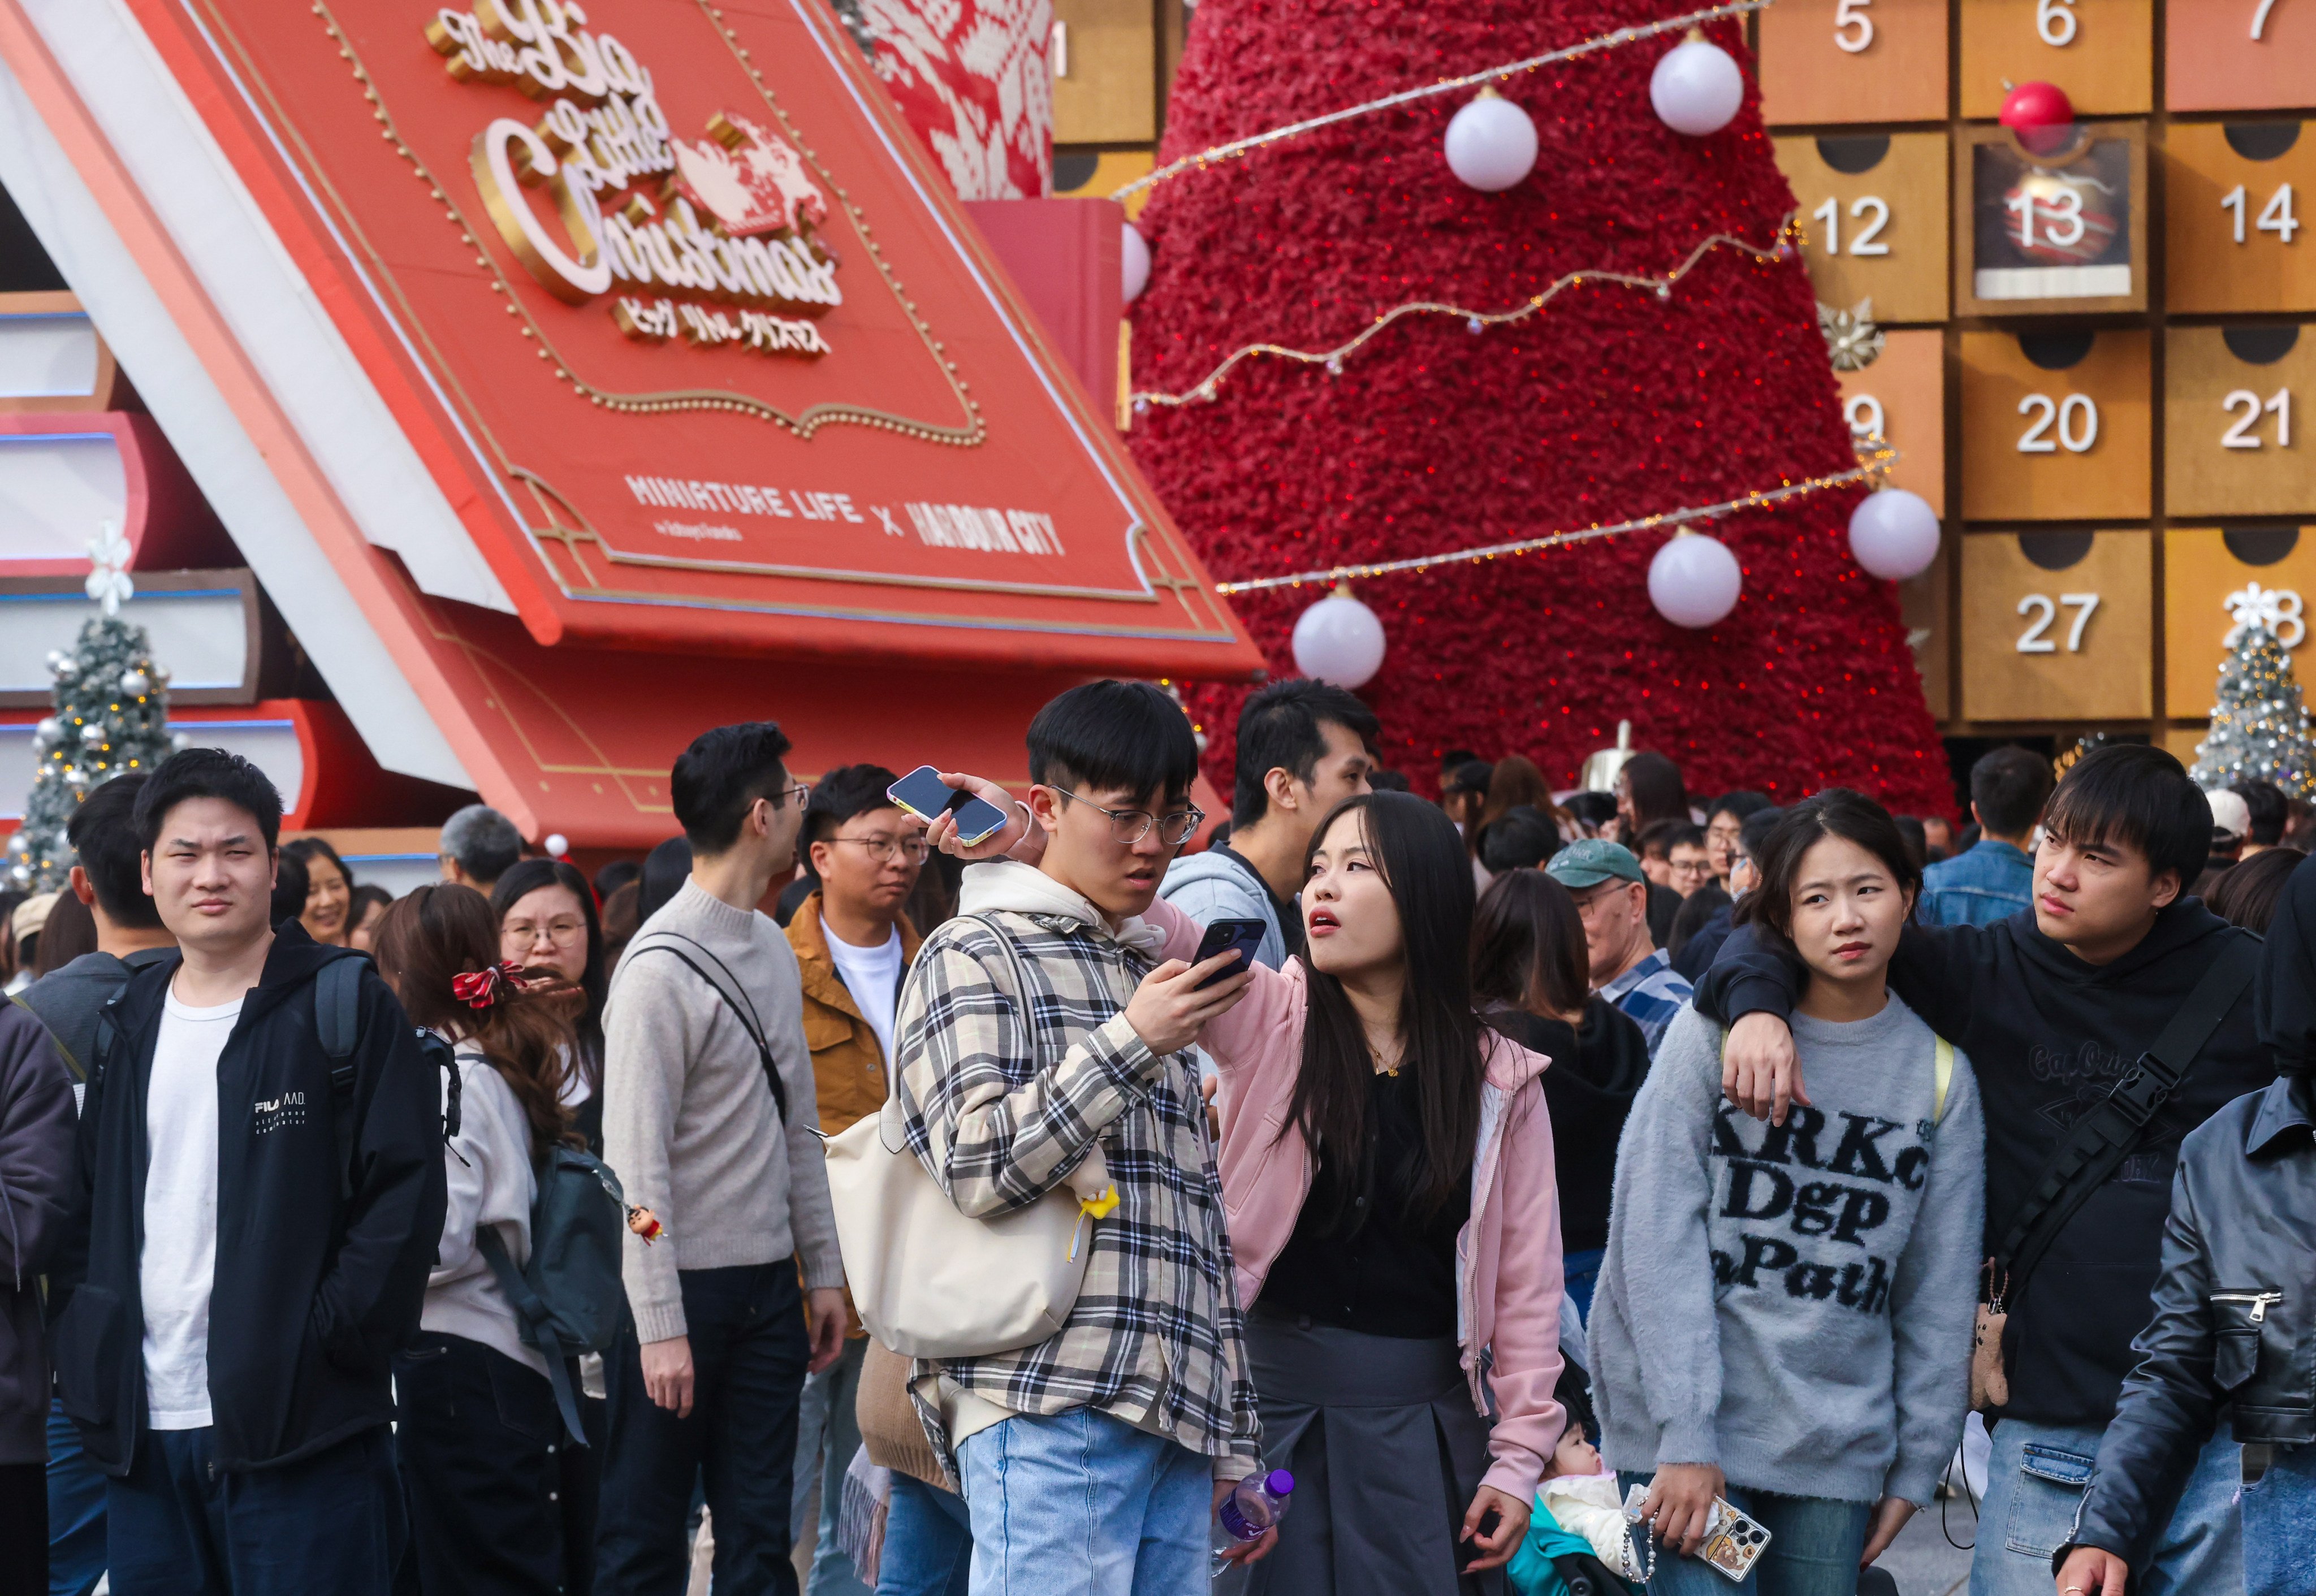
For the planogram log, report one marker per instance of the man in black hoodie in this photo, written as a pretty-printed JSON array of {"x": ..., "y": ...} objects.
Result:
[
  {"x": 2053, "y": 1006},
  {"x": 253, "y": 1229}
]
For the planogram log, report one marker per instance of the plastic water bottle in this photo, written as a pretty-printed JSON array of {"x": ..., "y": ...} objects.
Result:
[{"x": 1256, "y": 1504}]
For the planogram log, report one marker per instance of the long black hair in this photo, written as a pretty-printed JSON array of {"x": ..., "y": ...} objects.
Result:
[
  {"x": 1837, "y": 812},
  {"x": 1414, "y": 846},
  {"x": 527, "y": 876},
  {"x": 1527, "y": 945}
]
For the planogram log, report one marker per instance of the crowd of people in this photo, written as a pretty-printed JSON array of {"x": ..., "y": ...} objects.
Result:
[{"x": 1577, "y": 1191}]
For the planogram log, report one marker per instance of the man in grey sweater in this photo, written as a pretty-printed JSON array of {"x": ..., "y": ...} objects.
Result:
[{"x": 709, "y": 1120}]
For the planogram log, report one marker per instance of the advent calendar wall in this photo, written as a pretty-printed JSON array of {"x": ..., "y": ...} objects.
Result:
[{"x": 2099, "y": 361}]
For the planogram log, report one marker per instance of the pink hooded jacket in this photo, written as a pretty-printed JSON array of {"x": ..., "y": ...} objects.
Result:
[{"x": 1508, "y": 1257}]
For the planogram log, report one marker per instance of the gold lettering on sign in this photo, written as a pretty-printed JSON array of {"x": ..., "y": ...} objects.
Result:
[{"x": 729, "y": 222}]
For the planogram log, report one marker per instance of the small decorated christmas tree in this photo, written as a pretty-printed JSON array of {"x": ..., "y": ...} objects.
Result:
[
  {"x": 112, "y": 716},
  {"x": 2259, "y": 728}
]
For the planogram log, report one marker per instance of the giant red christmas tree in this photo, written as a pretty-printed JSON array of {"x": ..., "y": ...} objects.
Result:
[{"x": 1611, "y": 402}]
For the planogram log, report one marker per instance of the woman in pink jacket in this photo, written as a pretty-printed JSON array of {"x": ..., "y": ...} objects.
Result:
[{"x": 1387, "y": 1175}]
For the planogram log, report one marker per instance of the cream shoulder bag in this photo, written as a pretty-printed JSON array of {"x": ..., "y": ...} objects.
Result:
[{"x": 931, "y": 1282}]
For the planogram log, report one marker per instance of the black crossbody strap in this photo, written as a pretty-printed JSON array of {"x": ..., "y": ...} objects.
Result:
[
  {"x": 746, "y": 1017},
  {"x": 2099, "y": 1141}
]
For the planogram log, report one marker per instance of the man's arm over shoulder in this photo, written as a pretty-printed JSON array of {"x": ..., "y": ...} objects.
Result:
[{"x": 368, "y": 1303}]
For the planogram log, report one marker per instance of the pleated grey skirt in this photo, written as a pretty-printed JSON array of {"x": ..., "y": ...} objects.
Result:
[{"x": 1387, "y": 1451}]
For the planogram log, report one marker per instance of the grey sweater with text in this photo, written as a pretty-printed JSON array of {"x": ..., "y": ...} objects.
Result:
[{"x": 1794, "y": 1302}]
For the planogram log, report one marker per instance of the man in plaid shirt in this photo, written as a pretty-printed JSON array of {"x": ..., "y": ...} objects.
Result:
[{"x": 1092, "y": 1462}]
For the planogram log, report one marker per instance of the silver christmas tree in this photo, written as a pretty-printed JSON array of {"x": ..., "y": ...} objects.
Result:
[
  {"x": 2259, "y": 728},
  {"x": 112, "y": 716}
]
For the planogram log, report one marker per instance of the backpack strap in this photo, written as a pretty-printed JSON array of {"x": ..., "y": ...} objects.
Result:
[
  {"x": 2099, "y": 1141},
  {"x": 338, "y": 1026},
  {"x": 539, "y": 1325},
  {"x": 745, "y": 1016},
  {"x": 1943, "y": 1069}
]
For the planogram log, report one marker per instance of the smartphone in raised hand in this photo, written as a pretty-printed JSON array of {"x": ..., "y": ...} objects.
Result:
[
  {"x": 924, "y": 794},
  {"x": 1244, "y": 935}
]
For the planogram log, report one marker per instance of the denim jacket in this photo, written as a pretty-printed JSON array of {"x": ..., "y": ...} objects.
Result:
[{"x": 1992, "y": 882}]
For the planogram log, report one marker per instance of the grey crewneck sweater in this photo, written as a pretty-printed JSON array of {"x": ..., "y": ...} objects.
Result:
[
  {"x": 1794, "y": 1304},
  {"x": 687, "y": 1119}
]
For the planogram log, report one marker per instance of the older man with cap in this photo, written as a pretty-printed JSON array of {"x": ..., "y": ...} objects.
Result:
[{"x": 1628, "y": 967}]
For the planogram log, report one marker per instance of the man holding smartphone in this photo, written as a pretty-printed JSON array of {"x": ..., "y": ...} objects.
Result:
[
  {"x": 1303, "y": 747},
  {"x": 1033, "y": 1028}
]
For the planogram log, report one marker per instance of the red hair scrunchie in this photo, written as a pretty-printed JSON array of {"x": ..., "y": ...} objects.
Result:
[{"x": 480, "y": 989}]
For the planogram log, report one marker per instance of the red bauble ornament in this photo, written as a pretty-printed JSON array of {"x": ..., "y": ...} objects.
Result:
[{"x": 2040, "y": 114}]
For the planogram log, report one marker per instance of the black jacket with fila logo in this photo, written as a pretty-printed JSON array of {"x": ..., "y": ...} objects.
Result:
[{"x": 320, "y": 1272}]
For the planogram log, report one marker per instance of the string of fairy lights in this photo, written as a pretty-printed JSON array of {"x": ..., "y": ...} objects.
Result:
[
  {"x": 1476, "y": 321},
  {"x": 1505, "y": 73},
  {"x": 1876, "y": 458}
]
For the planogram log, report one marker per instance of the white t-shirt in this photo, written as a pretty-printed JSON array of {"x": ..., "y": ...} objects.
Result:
[
  {"x": 873, "y": 976},
  {"x": 179, "y": 1263}
]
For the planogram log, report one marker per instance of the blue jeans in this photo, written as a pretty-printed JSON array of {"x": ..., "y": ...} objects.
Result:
[
  {"x": 1082, "y": 1504},
  {"x": 746, "y": 1325},
  {"x": 333, "y": 1522},
  {"x": 828, "y": 1436},
  {"x": 1814, "y": 1549},
  {"x": 76, "y": 1512},
  {"x": 2279, "y": 1525},
  {"x": 2035, "y": 1484},
  {"x": 1578, "y": 1273},
  {"x": 928, "y": 1543}
]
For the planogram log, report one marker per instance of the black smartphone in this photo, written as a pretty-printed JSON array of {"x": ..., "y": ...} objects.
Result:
[
  {"x": 1245, "y": 935},
  {"x": 924, "y": 794}
]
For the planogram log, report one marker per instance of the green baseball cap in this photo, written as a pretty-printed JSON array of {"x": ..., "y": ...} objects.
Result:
[{"x": 1591, "y": 861}]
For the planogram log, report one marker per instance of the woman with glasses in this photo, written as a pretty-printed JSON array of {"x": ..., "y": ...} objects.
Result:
[{"x": 547, "y": 921}]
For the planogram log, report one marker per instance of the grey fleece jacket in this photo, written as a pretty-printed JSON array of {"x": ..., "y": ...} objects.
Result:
[
  {"x": 688, "y": 1119},
  {"x": 1794, "y": 1302}
]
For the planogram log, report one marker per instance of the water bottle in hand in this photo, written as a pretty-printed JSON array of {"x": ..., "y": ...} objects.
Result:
[{"x": 1255, "y": 1505}]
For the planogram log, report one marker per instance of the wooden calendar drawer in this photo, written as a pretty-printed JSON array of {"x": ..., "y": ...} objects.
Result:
[
  {"x": 2044, "y": 234},
  {"x": 1104, "y": 58},
  {"x": 1926, "y": 605},
  {"x": 2055, "y": 424},
  {"x": 1853, "y": 61},
  {"x": 2202, "y": 567},
  {"x": 2212, "y": 60},
  {"x": 2236, "y": 215},
  {"x": 2234, "y": 418},
  {"x": 1874, "y": 220},
  {"x": 2101, "y": 52},
  {"x": 2055, "y": 626},
  {"x": 1903, "y": 395}
]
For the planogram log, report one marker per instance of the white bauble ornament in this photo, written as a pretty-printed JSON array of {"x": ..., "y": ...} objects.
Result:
[
  {"x": 1696, "y": 88},
  {"x": 1694, "y": 580},
  {"x": 93, "y": 733},
  {"x": 1134, "y": 263},
  {"x": 1894, "y": 533},
  {"x": 1490, "y": 143},
  {"x": 135, "y": 683},
  {"x": 66, "y": 667},
  {"x": 48, "y": 730},
  {"x": 179, "y": 742},
  {"x": 1339, "y": 640},
  {"x": 22, "y": 875},
  {"x": 557, "y": 845}
]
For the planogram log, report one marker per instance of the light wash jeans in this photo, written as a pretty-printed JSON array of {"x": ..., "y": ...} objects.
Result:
[
  {"x": 928, "y": 1543},
  {"x": 2035, "y": 1484},
  {"x": 1082, "y": 1504},
  {"x": 1815, "y": 1545},
  {"x": 2279, "y": 1525},
  {"x": 828, "y": 1433}
]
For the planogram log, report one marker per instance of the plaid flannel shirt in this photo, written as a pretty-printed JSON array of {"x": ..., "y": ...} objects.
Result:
[
  {"x": 1155, "y": 1337},
  {"x": 1653, "y": 993}
]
